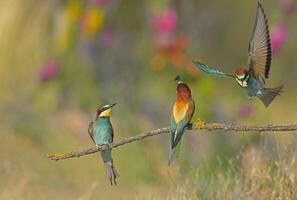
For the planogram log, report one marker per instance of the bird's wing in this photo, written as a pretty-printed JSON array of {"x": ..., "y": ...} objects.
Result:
[
  {"x": 90, "y": 131},
  {"x": 182, "y": 124},
  {"x": 110, "y": 130},
  {"x": 211, "y": 70},
  {"x": 191, "y": 110},
  {"x": 173, "y": 127},
  {"x": 177, "y": 135},
  {"x": 259, "y": 59}
]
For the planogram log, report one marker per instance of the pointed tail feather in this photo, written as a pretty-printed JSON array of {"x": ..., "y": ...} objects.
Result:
[
  {"x": 270, "y": 94},
  {"x": 175, "y": 138},
  {"x": 173, "y": 153},
  {"x": 111, "y": 172}
]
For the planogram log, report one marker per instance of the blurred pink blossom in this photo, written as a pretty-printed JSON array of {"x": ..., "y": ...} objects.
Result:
[
  {"x": 100, "y": 2},
  {"x": 279, "y": 36},
  {"x": 165, "y": 22},
  {"x": 245, "y": 111},
  {"x": 288, "y": 7},
  {"x": 49, "y": 70},
  {"x": 108, "y": 37}
]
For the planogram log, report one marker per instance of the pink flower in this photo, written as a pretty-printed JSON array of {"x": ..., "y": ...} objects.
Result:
[
  {"x": 49, "y": 70},
  {"x": 100, "y": 2},
  {"x": 165, "y": 23},
  {"x": 108, "y": 38},
  {"x": 288, "y": 7},
  {"x": 279, "y": 36}
]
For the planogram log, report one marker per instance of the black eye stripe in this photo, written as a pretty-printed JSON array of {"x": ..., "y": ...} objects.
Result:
[
  {"x": 104, "y": 108},
  {"x": 245, "y": 78}
]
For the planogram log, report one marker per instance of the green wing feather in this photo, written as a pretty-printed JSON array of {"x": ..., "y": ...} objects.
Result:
[
  {"x": 211, "y": 70},
  {"x": 178, "y": 129}
]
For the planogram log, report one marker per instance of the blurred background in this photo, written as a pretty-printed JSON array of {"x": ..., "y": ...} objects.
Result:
[{"x": 60, "y": 60}]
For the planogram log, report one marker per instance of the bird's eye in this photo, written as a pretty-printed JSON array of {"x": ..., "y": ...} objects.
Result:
[{"x": 246, "y": 77}]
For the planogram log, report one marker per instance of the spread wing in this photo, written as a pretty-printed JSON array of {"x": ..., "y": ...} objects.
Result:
[
  {"x": 211, "y": 70},
  {"x": 259, "y": 59},
  {"x": 90, "y": 131}
]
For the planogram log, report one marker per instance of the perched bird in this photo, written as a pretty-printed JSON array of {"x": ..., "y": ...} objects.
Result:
[
  {"x": 101, "y": 132},
  {"x": 182, "y": 112},
  {"x": 252, "y": 77}
]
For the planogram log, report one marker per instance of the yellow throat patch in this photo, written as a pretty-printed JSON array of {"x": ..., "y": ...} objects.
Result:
[{"x": 105, "y": 113}]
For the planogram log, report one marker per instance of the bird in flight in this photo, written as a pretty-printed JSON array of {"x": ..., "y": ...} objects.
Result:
[{"x": 252, "y": 77}]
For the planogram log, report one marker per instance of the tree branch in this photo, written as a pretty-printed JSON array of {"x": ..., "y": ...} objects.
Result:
[{"x": 200, "y": 125}]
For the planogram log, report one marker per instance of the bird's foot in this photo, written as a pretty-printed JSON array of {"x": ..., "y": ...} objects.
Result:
[
  {"x": 190, "y": 125},
  {"x": 104, "y": 146},
  {"x": 200, "y": 123}
]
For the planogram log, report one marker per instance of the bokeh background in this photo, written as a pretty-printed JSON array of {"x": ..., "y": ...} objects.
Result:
[{"x": 60, "y": 60}]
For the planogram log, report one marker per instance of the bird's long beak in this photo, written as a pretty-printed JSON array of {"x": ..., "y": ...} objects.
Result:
[
  {"x": 231, "y": 76},
  {"x": 112, "y": 105},
  {"x": 177, "y": 78}
]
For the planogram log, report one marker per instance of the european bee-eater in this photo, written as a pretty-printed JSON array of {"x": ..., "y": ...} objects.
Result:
[
  {"x": 101, "y": 132},
  {"x": 182, "y": 112},
  {"x": 252, "y": 77}
]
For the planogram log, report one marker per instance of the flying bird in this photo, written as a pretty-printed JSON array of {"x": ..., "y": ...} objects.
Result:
[
  {"x": 182, "y": 112},
  {"x": 101, "y": 132},
  {"x": 252, "y": 77}
]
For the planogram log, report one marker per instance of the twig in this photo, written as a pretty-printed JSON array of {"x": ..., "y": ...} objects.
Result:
[{"x": 200, "y": 125}]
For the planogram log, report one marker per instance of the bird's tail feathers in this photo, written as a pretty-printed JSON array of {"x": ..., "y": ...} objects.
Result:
[
  {"x": 173, "y": 153},
  {"x": 270, "y": 94},
  {"x": 111, "y": 172},
  {"x": 178, "y": 136}
]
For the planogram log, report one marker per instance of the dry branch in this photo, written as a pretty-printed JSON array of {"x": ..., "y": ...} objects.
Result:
[{"x": 196, "y": 126}]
